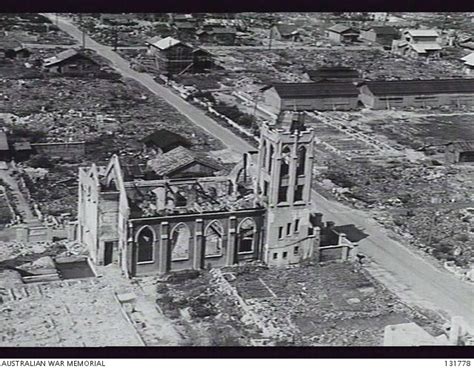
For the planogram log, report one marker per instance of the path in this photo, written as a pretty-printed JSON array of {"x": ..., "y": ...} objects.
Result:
[{"x": 412, "y": 273}]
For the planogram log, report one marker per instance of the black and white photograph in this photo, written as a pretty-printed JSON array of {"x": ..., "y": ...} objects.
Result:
[{"x": 246, "y": 179}]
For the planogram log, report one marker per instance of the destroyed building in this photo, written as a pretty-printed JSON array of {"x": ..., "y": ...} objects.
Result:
[
  {"x": 311, "y": 96},
  {"x": 261, "y": 210},
  {"x": 417, "y": 93}
]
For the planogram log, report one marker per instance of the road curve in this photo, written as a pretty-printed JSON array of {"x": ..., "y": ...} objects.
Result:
[{"x": 433, "y": 288}]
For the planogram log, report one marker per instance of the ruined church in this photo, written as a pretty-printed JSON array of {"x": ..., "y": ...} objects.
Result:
[{"x": 261, "y": 210}]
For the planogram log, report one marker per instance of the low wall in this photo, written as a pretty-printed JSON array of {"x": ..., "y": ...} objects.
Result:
[{"x": 68, "y": 150}]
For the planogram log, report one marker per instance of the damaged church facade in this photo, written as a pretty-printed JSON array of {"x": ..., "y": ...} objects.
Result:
[{"x": 261, "y": 211}]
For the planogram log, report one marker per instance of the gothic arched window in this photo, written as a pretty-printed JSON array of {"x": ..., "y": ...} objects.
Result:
[
  {"x": 246, "y": 235},
  {"x": 145, "y": 242},
  {"x": 213, "y": 239},
  {"x": 180, "y": 240}
]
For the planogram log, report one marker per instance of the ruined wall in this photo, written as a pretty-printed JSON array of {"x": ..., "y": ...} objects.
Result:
[
  {"x": 198, "y": 225},
  {"x": 70, "y": 150},
  {"x": 88, "y": 210}
]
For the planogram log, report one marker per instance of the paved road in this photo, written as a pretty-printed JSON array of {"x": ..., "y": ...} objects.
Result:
[{"x": 403, "y": 271}]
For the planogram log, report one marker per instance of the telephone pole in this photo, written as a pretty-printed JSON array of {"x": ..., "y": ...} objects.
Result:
[{"x": 271, "y": 37}]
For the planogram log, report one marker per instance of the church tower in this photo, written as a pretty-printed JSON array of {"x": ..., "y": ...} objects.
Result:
[{"x": 285, "y": 165}]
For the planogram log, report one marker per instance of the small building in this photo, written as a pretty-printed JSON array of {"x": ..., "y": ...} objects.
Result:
[
  {"x": 459, "y": 152},
  {"x": 4, "y": 147},
  {"x": 334, "y": 74},
  {"x": 181, "y": 163},
  {"x": 311, "y": 96},
  {"x": 22, "y": 150},
  {"x": 418, "y": 43},
  {"x": 163, "y": 141},
  {"x": 468, "y": 63},
  {"x": 12, "y": 49},
  {"x": 173, "y": 56},
  {"x": 467, "y": 45},
  {"x": 417, "y": 93},
  {"x": 184, "y": 29},
  {"x": 70, "y": 61},
  {"x": 341, "y": 33},
  {"x": 218, "y": 35},
  {"x": 383, "y": 35},
  {"x": 286, "y": 32}
]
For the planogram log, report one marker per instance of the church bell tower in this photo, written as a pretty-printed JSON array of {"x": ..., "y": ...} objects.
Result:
[{"x": 285, "y": 165}]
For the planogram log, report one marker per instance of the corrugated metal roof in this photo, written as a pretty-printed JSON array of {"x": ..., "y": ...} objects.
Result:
[
  {"x": 3, "y": 141},
  {"x": 420, "y": 87},
  {"x": 422, "y": 32},
  {"x": 165, "y": 43},
  {"x": 341, "y": 28},
  {"x": 63, "y": 55},
  {"x": 316, "y": 89}
]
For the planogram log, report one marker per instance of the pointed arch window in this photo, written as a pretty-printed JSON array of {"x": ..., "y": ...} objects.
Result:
[
  {"x": 246, "y": 234},
  {"x": 270, "y": 156},
  {"x": 285, "y": 162},
  {"x": 180, "y": 242},
  {"x": 145, "y": 242},
  {"x": 300, "y": 169},
  {"x": 213, "y": 239}
]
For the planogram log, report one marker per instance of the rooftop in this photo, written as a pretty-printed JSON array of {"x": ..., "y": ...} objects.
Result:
[
  {"x": 469, "y": 59},
  {"x": 426, "y": 87},
  {"x": 384, "y": 30},
  {"x": 462, "y": 146},
  {"x": 62, "y": 56},
  {"x": 341, "y": 28},
  {"x": 422, "y": 32},
  {"x": 287, "y": 29},
  {"x": 178, "y": 158},
  {"x": 163, "y": 43},
  {"x": 315, "y": 89}
]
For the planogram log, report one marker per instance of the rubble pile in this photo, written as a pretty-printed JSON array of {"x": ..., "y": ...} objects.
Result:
[
  {"x": 35, "y": 28},
  {"x": 208, "y": 316},
  {"x": 328, "y": 305},
  {"x": 413, "y": 200},
  {"x": 15, "y": 253}
]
